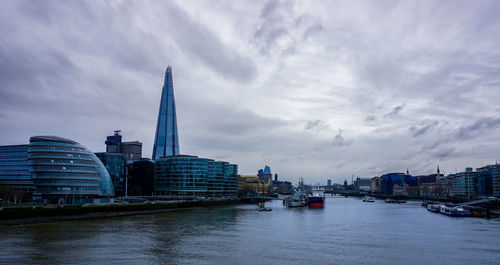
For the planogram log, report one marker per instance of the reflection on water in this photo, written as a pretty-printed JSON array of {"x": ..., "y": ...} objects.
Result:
[{"x": 346, "y": 231}]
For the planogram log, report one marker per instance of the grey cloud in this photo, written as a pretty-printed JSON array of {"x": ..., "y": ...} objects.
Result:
[
  {"x": 395, "y": 110},
  {"x": 340, "y": 140},
  {"x": 478, "y": 127},
  {"x": 422, "y": 129},
  {"x": 370, "y": 118},
  {"x": 316, "y": 125}
]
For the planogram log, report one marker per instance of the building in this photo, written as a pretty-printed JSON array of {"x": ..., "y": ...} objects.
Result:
[
  {"x": 329, "y": 182},
  {"x": 376, "y": 185},
  {"x": 114, "y": 143},
  {"x": 166, "y": 141},
  {"x": 14, "y": 169},
  {"x": 64, "y": 171},
  {"x": 132, "y": 150},
  {"x": 265, "y": 175},
  {"x": 441, "y": 188},
  {"x": 362, "y": 184},
  {"x": 116, "y": 165},
  {"x": 249, "y": 185},
  {"x": 141, "y": 177},
  {"x": 488, "y": 182},
  {"x": 464, "y": 183},
  {"x": 194, "y": 176}
]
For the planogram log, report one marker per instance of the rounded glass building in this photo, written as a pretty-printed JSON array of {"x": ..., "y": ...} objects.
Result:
[{"x": 64, "y": 171}]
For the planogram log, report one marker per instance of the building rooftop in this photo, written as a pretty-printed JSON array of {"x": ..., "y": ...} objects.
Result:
[{"x": 51, "y": 138}]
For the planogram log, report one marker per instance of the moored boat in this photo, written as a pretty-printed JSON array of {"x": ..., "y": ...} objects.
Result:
[
  {"x": 455, "y": 211},
  {"x": 435, "y": 208},
  {"x": 298, "y": 198},
  {"x": 368, "y": 199},
  {"x": 317, "y": 198}
]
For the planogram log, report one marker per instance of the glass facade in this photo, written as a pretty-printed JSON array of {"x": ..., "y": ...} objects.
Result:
[
  {"x": 464, "y": 183},
  {"x": 115, "y": 164},
  {"x": 489, "y": 180},
  {"x": 166, "y": 138},
  {"x": 14, "y": 170},
  {"x": 191, "y": 175},
  {"x": 63, "y": 170}
]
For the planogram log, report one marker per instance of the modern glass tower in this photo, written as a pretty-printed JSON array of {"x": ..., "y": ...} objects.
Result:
[{"x": 166, "y": 137}]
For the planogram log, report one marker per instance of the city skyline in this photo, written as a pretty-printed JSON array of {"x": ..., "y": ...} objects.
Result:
[{"x": 315, "y": 91}]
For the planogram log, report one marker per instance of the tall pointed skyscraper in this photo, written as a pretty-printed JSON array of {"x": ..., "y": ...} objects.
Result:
[{"x": 166, "y": 137}]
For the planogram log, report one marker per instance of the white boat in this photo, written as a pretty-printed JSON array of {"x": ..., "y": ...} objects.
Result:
[{"x": 368, "y": 199}]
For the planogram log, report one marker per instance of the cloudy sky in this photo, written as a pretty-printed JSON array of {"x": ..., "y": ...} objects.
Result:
[{"x": 315, "y": 89}]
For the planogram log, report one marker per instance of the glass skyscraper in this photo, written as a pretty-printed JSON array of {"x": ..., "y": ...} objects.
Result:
[{"x": 166, "y": 138}]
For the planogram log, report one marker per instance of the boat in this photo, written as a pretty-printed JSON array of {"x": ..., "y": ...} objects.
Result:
[
  {"x": 426, "y": 203},
  {"x": 368, "y": 199},
  {"x": 298, "y": 198},
  {"x": 477, "y": 211},
  {"x": 435, "y": 208},
  {"x": 389, "y": 200},
  {"x": 454, "y": 210},
  {"x": 317, "y": 198},
  {"x": 264, "y": 209}
]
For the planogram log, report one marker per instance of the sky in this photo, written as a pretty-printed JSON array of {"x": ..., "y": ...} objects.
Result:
[{"x": 314, "y": 89}]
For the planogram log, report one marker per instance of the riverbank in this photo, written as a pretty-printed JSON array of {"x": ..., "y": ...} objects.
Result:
[{"x": 22, "y": 216}]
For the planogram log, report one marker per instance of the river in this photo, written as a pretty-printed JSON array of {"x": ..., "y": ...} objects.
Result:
[{"x": 346, "y": 231}]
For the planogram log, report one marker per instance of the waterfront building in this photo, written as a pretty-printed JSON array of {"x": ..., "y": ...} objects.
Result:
[
  {"x": 376, "y": 185},
  {"x": 132, "y": 150},
  {"x": 249, "y": 185},
  {"x": 391, "y": 179},
  {"x": 362, "y": 184},
  {"x": 488, "y": 181},
  {"x": 64, "y": 171},
  {"x": 441, "y": 188},
  {"x": 14, "y": 169},
  {"x": 282, "y": 187},
  {"x": 464, "y": 183},
  {"x": 194, "y": 176},
  {"x": 116, "y": 165},
  {"x": 166, "y": 141},
  {"x": 141, "y": 177}
]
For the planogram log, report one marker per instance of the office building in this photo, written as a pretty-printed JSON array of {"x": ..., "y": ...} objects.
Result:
[
  {"x": 195, "y": 176},
  {"x": 166, "y": 141},
  {"x": 14, "y": 169},
  {"x": 464, "y": 183},
  {"x": 116, "y": 165},
  {"x": 488, "y": 182},
  {"x": 64, "y": 171},
  {"x": 114, "y": 143},
  {"x": 141, "y": 177},
  {"x": 132, "y": 150}
]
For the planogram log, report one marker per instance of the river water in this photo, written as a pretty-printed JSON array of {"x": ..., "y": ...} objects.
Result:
[{"x": 346, "y": 231}]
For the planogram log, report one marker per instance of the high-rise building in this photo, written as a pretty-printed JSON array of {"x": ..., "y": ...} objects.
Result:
[
  {"x": 166, "y": 138},
  {"x": 114, "y": 143},
  {"x": 132, "y": 150}
]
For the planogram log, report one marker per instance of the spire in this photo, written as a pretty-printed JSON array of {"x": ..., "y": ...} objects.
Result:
[
  {"x": 166, "y": 138},
  {"x": 438, "y": 170},
  {"x": 407, "y": 171}
]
